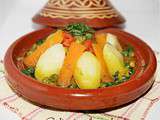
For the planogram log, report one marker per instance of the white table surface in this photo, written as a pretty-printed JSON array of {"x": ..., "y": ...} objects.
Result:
[{"x": 143, "y": 20}]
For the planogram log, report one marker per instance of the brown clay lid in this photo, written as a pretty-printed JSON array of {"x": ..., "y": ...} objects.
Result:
[{"x": 95, "y": 13}]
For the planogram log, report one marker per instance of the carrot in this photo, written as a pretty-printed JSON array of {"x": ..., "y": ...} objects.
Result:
[
  {"x": 31, "y": 60},
  {"x": 101, "y": 39},
  {"x": 67, "y": 40},
  {"x": 66, "y": 73},
  {"x": 104, "y": 72},
  {"x": 88, "y": 45}
]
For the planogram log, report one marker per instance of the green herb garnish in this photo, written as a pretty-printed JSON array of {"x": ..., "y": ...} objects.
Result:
[
  {"x": 29, "y": 71},
  {"x": 73, "y": 86},
  {"x": 40, "y": 42},
  {"x": 130, "y": 69},
  {"x": 80, "y": 29},
  {"x": 51, "y": 80},
  {"x": 127, "y": 65},
  {"x": 88, "y": 36},
  {"x": 128, "y": 52},
  {"x": 80, "y": 39},
  {"x": 117, "y": 82},
  {"x": 106, "y": 84}
]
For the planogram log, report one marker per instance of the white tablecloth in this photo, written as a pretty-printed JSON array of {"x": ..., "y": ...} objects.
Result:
[{"x": 143, "y": 20}]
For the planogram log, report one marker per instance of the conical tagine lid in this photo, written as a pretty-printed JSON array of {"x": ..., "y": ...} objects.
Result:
[{"x": 95, "y": 13}]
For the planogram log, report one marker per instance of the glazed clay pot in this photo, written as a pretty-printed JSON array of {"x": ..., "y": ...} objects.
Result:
[
  {"x": 95, "y": 13},
  {"x": 79, "y": 99}
]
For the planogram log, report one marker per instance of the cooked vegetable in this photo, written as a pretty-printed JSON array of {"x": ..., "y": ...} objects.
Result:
[
  {"x": 40, "y": 42},
  {"x": 73, "y": 84},
  {"x": 67, "y": 40},
  {"x": 101, "y": 39},
  {"x": 113, "y": 40},
  {"x": 88, "y": 36},
  {"x": 56, "y": 37},
  {"x": 79, "y": 58},
  {"x": 80, "y": 29},
  {"x": 66, "y": 73},
  {"x": 50, "y": 62},
  {"x": 50, "y": 80},
  {"x": 113, "y": 60},
  {"x": 130, "y": 68},
  {"x": 87, "y": 73},
  {"x": 104, "y": 72},
  {"x": 88, "y": 45},
  {"x": 107, "y": 84},
  {"x": 31, "y": 60},
  {"x": 128, "y": 52},
  {"x": 28, "y": 71},
  {"x": 117, "y": 80},
  {"x": 80, "y": 39},
  {"x": 132, "y": 64}
]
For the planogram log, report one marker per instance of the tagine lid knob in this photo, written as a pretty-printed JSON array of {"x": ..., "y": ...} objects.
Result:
[{"x": 95, "y": 13}]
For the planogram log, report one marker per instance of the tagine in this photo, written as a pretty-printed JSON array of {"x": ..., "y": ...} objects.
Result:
[{"x": 79, "y": 61}]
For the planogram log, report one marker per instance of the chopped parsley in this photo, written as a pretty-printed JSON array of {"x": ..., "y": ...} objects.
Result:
[
  {"x": 80, "y": 29},
  {"x": 128, "y": 52},
  {"x": 40, "y": 42},
  {"x": 29, "y": 71},
  {"x": 51, "y": 80}
]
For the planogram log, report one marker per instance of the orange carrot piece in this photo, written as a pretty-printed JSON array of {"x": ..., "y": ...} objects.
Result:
[
  {"x": 66, "y": 73},
  {"x": 67, "y": 40},
  {"x": 104, "y": 72},
  {"x": 31, "y": 60},
  {"x": 101, "y": 39}
]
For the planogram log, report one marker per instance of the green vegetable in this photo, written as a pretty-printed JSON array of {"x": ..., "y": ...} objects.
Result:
[
  {"x": 80, "y": 29},
  {"x": 125, "y": 53},
  {"x": 40, "y": 42},
  {"x": 73, "y": 86},
  {"x": 29, "y": 71},
  {"x": 88, "y": 36},
  {"x": 125, "y": 77},
  {"x": 106, "y": 84},
  {"x": 131, "y": 69},
  {"x": 80, "y": 39},
  {"x": 128, "y": 52},
  {"x": 50, "y": 80},
  {"x": 127, "y": 65},
  {"x": 117, "y": 82}
]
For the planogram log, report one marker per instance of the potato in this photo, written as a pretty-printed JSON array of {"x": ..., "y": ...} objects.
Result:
[
  {"x": 87, "y": 72},
  {"x": 113, "y": 59},
  {"x": 113, "y": 40},
  {"x": 50, "y": 62},
  {"x": 108, "y": 38}
]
